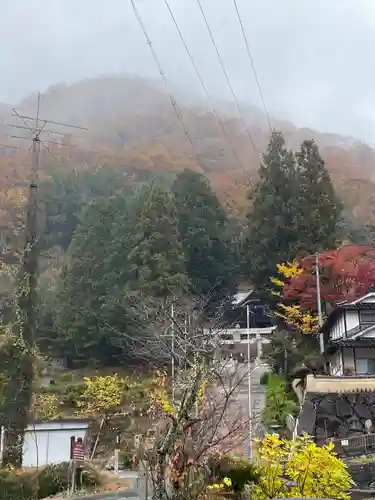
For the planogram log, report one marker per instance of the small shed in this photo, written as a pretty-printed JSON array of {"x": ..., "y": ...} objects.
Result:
[{"x": 50, "y": 442}]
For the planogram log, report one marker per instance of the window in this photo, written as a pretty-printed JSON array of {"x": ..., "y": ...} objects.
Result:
[
  {"x": 367, "y": 317},
  {"x": 226, "y": 336},
  {"x": 365, "y": 366}
]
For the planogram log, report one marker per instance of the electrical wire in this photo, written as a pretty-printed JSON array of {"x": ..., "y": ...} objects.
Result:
[
  {"x": 164, "y": 78},
  {"x": 252, "y": 64},
  {"x": 199, "y": 76},
  {"x": 169, "y": 92},
  {"x": 226, "y": 75}
]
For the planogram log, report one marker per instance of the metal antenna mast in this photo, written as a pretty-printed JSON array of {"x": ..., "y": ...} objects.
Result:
[{"x": 28, "y": 280}]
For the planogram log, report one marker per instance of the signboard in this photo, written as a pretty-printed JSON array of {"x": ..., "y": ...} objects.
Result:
[{"x": 78, "y": 452}]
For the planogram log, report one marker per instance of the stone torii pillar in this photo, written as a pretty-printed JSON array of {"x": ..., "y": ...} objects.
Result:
[{"x": 259, "y": 346}]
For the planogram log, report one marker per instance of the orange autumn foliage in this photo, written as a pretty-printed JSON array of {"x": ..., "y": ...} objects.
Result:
[{"x": 136, "y": 129}]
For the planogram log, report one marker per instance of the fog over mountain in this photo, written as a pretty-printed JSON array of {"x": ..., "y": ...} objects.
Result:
[{"x": 313, "y": 58}]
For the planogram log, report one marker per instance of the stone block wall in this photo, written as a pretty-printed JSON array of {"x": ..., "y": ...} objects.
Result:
[
  {"x": 341, "y": 416},
  {"x": 363, "y": 474}
]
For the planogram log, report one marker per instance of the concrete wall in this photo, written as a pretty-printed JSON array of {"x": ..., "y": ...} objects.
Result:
[{"x": 49, "y": 442}]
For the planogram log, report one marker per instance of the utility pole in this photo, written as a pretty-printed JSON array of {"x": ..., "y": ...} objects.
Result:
[
  {"x": 250, "y": 404},
  {"x": 20, "y": 390},
  {"x": 186, "y": 336},
  {"x": 172, "y": 349},
  {"x": 319, "y": 302},
  {"x": 29, "y": 267},
  {"x": 29, "y": 270}
]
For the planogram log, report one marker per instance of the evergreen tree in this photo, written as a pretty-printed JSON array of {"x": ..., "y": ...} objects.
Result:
[
  {"x": 125, "y": 257},
  {"x": 203, "y": 227},
  {"x": 319, "y": 209},
  {"x": 272, "y": 233},
  {"x": 156, "y": 261},
  {"x": 66, "y": 195},
  {"x": 86, "y": 328}
]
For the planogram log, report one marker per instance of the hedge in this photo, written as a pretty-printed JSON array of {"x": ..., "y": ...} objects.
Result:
[{"x": 40, "y": 483}]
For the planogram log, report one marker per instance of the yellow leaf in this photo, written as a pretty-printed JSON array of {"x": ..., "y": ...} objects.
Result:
[
  {"x": 315, "y": 471},
  {"x": 102, "y": 395},
  {"x": 277, "y": 282},
  {"x": 227, "y": 481}
]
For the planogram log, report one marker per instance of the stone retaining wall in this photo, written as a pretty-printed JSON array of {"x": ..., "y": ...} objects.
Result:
[
  {"x": 340, "y": 416},
  {"x": 363, "y": 474}
]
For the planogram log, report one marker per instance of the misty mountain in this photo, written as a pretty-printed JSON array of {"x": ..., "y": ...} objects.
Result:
[
  {"x": 309, "y": 56},
  {"x": 131, "y": 122}
]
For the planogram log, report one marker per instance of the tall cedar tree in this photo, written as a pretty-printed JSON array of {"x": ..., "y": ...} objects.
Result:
[
  {"x": 319, "y": 209},
  {"x": 88, "y": 328},
  {"x": 120, "y": 251},
  {"x": 203, "y": 227},
  {"x": 156, "y": 261},
  {"x": 272, "y": 232}
]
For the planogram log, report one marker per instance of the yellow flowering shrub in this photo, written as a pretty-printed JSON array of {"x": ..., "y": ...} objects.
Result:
[
  {"x": 299, "y": 468},
  {"x": 102, "y": 395}
]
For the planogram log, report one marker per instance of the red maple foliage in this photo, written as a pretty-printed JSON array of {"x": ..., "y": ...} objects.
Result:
[{"x": 346, "y": 273}]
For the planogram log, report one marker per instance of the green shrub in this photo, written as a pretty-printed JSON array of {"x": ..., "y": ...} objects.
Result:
[
  {"x": 125, "y": 459},
  {"x": 16, "y": 486},
  {"x": 41, "y": 483},
  {"x": 67, "y": 377},
  {"x": 72, "y": 393},
  {"x": 241, "y": 472},
  {"x": 281, "y": 402},
  {"x": 52, "y": 479}
]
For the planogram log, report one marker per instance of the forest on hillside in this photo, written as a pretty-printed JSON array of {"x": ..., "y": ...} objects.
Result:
[
  {"x": 138, "y": 236},
  {"x": 115, "y": 248},
  {"x": 132, "y": 126},
  {"x": 128, "y": 213}
]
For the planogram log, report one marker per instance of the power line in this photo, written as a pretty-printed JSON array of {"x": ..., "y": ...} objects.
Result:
[
  {"x": 169, "y": 91},
  {"x": 226, "y": 75},
  {"x": 164, "y": 78},
  {"x": 252, "y": 63},
  {"x": 203, "y": 84}
]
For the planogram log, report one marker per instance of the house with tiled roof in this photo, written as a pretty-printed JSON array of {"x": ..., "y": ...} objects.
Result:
[
  {"x": 340, "y": 405},
  {"x": 349, "y": 337}
]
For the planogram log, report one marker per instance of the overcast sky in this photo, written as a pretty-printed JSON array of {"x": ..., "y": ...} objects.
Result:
[{"x": 315, "y": 59}]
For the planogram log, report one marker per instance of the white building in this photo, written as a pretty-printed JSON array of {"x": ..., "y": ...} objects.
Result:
[
  {"x": 349, "y": 333},
  {"x": 50, "y": 442}
]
